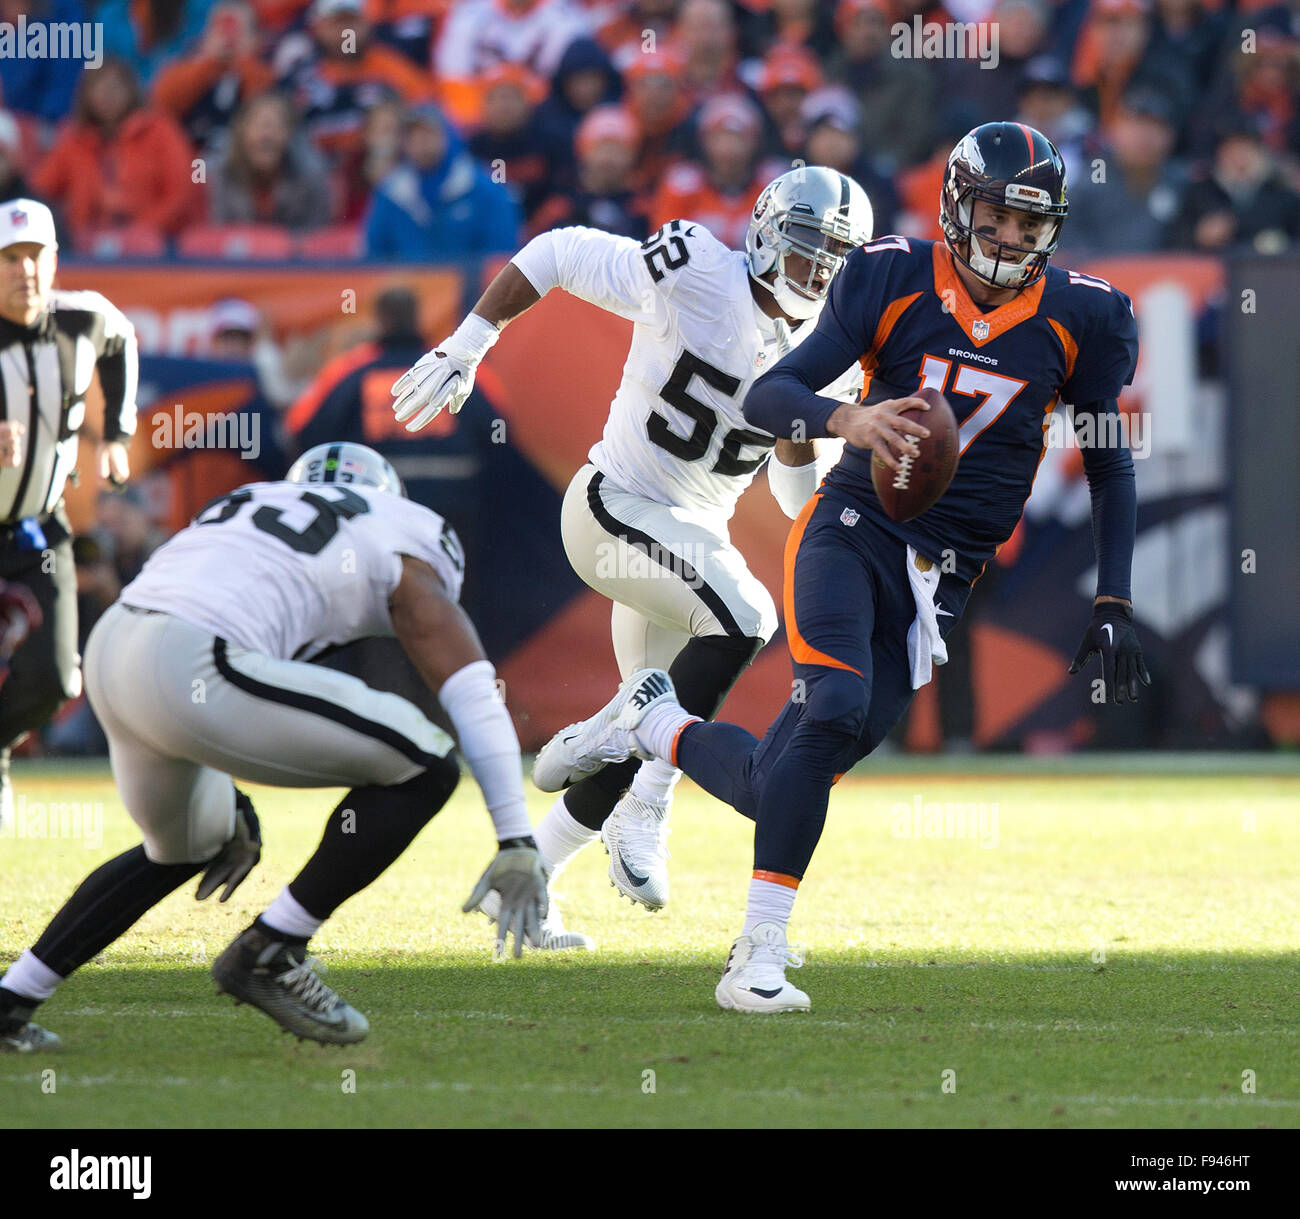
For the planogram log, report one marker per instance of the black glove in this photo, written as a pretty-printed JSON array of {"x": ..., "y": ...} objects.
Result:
[
  {"x": 238, "y": 857},
  {"x": 1111, "y": 633}
]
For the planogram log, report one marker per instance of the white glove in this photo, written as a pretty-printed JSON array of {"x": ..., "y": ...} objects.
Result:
[
  {"x": 519, "y": 877},
  {"x": 443, "y": 377}
]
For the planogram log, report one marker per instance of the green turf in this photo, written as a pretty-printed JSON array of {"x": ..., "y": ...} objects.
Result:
[{"x": 1116, "y": 951}]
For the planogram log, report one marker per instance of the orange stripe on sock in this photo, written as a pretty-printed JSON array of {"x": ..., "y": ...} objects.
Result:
[
  {"x": 677, "y": 736},
  {"x": 777, "y": 878}
]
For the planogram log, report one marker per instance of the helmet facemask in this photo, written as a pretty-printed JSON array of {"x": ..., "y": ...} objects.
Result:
[
  {"x": 1000, "y": 264},
  {"x": 800, "y": 294}
]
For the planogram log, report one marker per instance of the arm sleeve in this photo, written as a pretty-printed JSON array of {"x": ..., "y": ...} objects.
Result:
[
  {"x": 791, "y": 486},
  {"x": 1112, "y": 486},
  {"x": 118, "y": 364},
  {"x": 489, "y": 745},
  {"x": 599, "y": 267}
]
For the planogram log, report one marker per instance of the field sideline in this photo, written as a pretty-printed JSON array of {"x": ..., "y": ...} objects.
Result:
[{"x": 1109, "y": 942}]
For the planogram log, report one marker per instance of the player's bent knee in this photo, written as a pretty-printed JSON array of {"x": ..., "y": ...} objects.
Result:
[
  {"x": 432, "y": 787},
  {"x": 758, "y": 621},
  {"x": 837, "y": 699}
]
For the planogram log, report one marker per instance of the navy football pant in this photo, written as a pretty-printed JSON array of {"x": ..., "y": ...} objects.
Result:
[{"x": 848, "y": 608}]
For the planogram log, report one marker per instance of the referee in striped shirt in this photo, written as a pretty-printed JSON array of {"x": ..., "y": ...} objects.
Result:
[{"x": 51, "y": 344}]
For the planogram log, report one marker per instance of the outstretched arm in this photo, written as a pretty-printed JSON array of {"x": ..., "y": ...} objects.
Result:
[{"x": 599, "y": 267}]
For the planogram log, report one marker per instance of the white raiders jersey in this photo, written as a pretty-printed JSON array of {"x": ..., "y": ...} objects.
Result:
[
  {"x": 289, "y": 569},
  {"x": 676, "y": 433}
]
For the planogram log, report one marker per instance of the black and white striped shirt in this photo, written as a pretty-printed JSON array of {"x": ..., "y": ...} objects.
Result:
[{"x": 45, "y": 371}]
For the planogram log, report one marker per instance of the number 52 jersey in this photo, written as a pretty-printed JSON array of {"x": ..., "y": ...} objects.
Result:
[
  {"x": 289, "y": 569},
  {"x": 676, "y": 434}
]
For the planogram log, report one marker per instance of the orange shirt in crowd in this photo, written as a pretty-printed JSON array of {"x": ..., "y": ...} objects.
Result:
[{"x": 142, "y": 176}]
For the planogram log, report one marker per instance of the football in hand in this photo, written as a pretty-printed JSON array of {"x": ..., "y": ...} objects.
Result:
[{"x": 920, "y": 480}]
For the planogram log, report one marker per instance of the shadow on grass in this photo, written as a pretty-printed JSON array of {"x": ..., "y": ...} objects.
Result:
[{"x": 568, "y": 1040}]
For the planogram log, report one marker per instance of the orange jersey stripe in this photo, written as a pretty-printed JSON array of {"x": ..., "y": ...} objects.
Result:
[
  {"x": 800, "y": 649},
  {"x": 889, "y": 319},
  {"x": 1070, "y": 347}
]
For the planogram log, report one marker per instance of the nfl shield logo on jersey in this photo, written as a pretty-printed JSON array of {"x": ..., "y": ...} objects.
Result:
[
  {"x": 850, "y": 517},
  {"x": 979, "y": 330}
]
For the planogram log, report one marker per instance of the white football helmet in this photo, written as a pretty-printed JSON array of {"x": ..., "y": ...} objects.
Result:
[
  {"x": 345, "y": 462},
  {"x": 817, "y": 213}
]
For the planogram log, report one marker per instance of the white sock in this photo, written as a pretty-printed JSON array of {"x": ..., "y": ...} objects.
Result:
[
  {"x": 560, "y": 836},
  {"x": 658, "y": 731},
  {"x": 285, "y": 914},
  {"x": 655, "y": 782},
  {"x": 30, "y": 977},
  {"x": 768, "y": 903}
]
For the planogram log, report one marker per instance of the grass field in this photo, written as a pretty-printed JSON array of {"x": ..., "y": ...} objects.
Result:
[{"x": 1106, "y": 947}]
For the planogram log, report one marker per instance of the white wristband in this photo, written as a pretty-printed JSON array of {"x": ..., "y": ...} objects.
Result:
[{"x": 472, "y": 340}]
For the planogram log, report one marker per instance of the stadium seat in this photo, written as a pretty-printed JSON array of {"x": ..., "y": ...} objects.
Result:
[
  {"x": 133, "y": 241},
  {"x": 338, "y": 241},
  {"x": 253, "y": 241}
]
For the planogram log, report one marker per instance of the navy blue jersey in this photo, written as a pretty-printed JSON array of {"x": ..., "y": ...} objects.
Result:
[{"x": 898, "y": 308}]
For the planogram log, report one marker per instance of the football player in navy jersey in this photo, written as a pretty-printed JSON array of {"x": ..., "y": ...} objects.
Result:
[{"x": 985, "y": 320}]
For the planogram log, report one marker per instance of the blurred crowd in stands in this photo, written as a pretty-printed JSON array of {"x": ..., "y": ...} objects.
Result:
[{"x": 435, "y": 129}]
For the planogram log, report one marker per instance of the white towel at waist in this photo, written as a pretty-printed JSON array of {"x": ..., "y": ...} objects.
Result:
[{"x": 924, "y": 646}]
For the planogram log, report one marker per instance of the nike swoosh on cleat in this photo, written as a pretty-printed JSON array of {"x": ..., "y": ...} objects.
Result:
[
  {"x": 767, "y": 994},
  {"x": 632, "y": 876}
]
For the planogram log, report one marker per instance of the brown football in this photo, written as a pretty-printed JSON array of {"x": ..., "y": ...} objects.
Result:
[{"x": 920, "y": 480}]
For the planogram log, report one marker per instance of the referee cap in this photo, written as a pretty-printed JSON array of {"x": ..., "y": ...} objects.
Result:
[{"x": 26, "y": 220}]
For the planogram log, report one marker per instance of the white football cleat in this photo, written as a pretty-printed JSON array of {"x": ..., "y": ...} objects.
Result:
[
  {"x": 582, "y": 749},
  {"x": 753, "y": 979},
  {"x": 555, "y": 936},
  {"x": 635, "y": 836}
]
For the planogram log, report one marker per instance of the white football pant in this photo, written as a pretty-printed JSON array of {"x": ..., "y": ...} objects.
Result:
[
  {"x": 669, "y": 575},
  {"x": 185, "y": 712}
]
